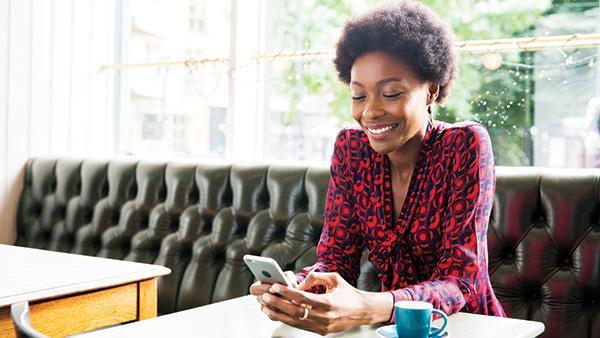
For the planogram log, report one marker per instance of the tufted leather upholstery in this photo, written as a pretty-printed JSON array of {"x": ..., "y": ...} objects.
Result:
[{"x": 200, "y": 219}]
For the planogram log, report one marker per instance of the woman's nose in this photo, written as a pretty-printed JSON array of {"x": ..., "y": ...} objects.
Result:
[{"x": 373, "y": 110}]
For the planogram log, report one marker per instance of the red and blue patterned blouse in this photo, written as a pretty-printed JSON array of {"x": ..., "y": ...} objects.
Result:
[{"x": 437, "y": 250}]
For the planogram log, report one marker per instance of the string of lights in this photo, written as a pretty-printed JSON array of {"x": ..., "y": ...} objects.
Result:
[
  {"x": 187, "y": 63},
  {"x": 488, "y": 52},
  {"x": 485, "y": 47},
  {"x": 569, "y": 62}
]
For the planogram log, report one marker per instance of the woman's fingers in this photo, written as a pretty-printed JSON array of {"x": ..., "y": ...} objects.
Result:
[
  {"x": 298, "y": 308},
  {"x": 310, "y": 323},
  {"x": 258, "y": 289},
  {"x": 299, "y": 297},
  {"x": 291, "y": 277},
  {"x": 328, "y": 279},
  {"x": 282, "y": 305}
]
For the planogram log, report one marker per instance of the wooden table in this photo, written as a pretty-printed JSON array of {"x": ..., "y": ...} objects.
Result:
[
  {"x": 241, "y": 317},
  {"x": 70, "y": 294}
]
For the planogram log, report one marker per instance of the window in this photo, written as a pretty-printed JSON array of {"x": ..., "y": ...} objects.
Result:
[
  {"x": 541, "y": 107},
  {"x": 538, "y": 106},
  {"x": 151, "y": 127},
  {"x": 217, "y": 130},
  {"x": 168, "y": 107}
]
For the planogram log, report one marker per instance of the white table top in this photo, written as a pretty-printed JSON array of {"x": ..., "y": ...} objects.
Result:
[
  {"x": 241, "y": 317},
  {"x": 32, "y": 274}
]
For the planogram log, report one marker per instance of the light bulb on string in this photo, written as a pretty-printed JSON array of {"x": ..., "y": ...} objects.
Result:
[
  {"x": 569, "y": 60},
  {"x": 492, "y": 61}
]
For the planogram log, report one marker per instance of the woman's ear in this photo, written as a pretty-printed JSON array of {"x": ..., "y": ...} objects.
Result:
[{"x": 433, "y": 92}]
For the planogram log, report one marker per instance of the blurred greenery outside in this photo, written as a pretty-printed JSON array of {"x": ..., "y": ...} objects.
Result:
[{"x": 502, "y": 99}]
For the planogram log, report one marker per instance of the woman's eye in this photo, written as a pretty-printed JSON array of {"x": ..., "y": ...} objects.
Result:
[
  {"x": 358, "y": 98},
  {"x": 392, "y": 95}
]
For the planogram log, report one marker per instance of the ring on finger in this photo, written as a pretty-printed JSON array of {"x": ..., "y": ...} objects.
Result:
[{"x": 306, "y": 310}]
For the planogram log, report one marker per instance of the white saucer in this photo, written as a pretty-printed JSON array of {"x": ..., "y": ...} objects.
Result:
[{"x": 389, "y": 331}]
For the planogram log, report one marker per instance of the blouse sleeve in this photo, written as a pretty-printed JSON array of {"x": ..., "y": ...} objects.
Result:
[
  {"x": 464, "y": 242},
  {"x": 341, "y": 243}
]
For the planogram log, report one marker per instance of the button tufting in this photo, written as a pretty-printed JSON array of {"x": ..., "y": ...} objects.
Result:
[{"x": 534, "y": 203}]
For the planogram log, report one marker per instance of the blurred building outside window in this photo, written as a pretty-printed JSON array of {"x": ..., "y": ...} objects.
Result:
[{"x": 169, "y": 107}]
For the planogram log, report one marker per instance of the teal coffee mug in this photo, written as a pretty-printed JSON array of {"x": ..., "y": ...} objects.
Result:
[{"x": 413, "y": 320}]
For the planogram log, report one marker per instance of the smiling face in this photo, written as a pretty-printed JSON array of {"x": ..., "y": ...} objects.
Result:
[{"x": 389, "y": 101}]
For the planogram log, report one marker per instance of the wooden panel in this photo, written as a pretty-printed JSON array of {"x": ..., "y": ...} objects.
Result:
[
  {"x": 102, "y": 51},
  {"x": 41, "y": 49},
  {"x": 19, "y": 79},
  {"x": 8, "y": 207},
  {"x": 7, "y": 330},
  {"x": 147, "y": 299},
  {"x": 80, "y": 313},
  {"x": 80, "y": 80},
  {"x": 5, "y": 231},
  {"x": 19, "y": 104},
  {"x": 61, "y": 77}
]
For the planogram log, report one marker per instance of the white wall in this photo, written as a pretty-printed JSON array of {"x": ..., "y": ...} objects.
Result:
[{"x": 54, "y": 98}]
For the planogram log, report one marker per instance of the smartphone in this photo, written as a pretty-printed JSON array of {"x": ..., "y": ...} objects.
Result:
[{"x": 266, "y": 270}]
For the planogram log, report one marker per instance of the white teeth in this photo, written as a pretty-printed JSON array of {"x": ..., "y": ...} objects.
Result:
[{"x": 381, "y": 130}]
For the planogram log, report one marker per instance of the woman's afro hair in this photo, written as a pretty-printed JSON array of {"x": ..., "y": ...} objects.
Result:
[{"x": 407, "y": 30}]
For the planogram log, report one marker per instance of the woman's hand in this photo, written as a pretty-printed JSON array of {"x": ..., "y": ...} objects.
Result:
[
  {"x": 259, "y": 288},
  {"x": 340, "y": 308}
]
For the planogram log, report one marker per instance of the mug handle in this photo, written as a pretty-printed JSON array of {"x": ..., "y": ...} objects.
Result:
[{"x": 441, "y": 329}]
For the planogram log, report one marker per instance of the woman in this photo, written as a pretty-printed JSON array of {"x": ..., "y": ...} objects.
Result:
[{"x": 415, "y": 192}]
